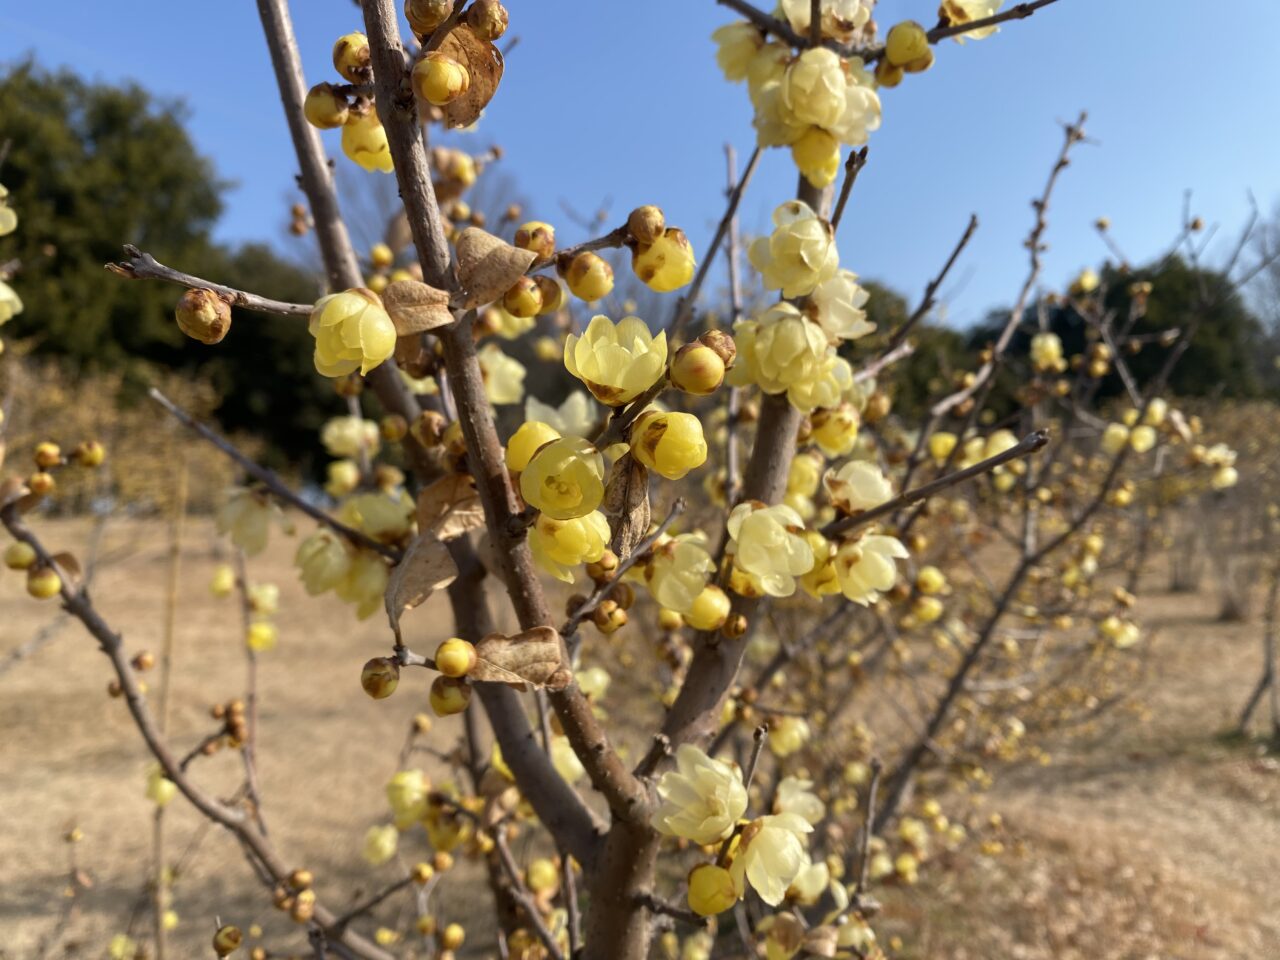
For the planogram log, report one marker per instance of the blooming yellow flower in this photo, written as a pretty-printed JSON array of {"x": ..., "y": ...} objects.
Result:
[
  {"x": 558, "y": 546},
  {"x": 246, "y": 517},
  {"x": 821, "y": 581},
  {"x": 505, "y": 324},
  {"x": 1143, "y": 438},
  {"x": 841, "y": 19},
  {"x": 865, "y": 566},
  {"x": 817, "y": 155},
  {"x": 385, "y": 517},
  {"x": 352, "y": 331},
  {"x": 678, "y": 572},
  {"x": 778, "y": 349},
  {"x": 8, "y": 219},
  {"x": 858, "y": 485},
  {"x": 736, "y": 44},
  {"x": 575, "y": 417},
  {"x": 770, "y": 854},
  {"x": 343, "y": 478},
  {"x": 565, "y": 479},
  {"x": 380, "y": 844},
  {"x": 795, "y": 795},
  {"x": 955, "y": 12},
  {"x": 1114, "y": 438},
  {"x": 365, "y": 583},
  {"x": 617, "y": 362},
  {"x": 702, "y": 798},
  {"x": 10, "y": 303},
  {"x": 1046, "y": 353},
  {"x": 323, "y": 561},
  {"x": 787, "y": 735},
  {"x": 407, "y": 795},
  {"x": 529, "y": 436},
  {"x": 670, "y": 444},
  {"x": 799, "y": 254},
  {"x": 364, "y": 141},
  {"x": 835, "y": 429},
  {"x": 348, "y": 436},
  {"x": 838, "y": 305},
  {"x": 768, "y": 543},
  {"x": 503, "y": 375}
]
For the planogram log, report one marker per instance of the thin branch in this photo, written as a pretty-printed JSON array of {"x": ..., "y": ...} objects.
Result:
[
  {"x": 271, "y": 481},
  {"x": 852, "y": 167},
  {"x": 1027, "y": 445},
  {"x": 143, "y": 266},
  {"x": 363, "y": 908},
  {"x": 521, "y": 895},
  {"x": 864, "y": 857},
  {"x": 779, "y": 28},
  {"x": 655, "y": 904}
]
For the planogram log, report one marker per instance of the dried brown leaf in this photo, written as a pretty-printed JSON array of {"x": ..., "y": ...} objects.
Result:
[
  {"x": 488, "y": 266},
  {"x": 483, "y": 63},
  {"x": 425, "y": 568},
  {"x": 450, "y": 507},
  {"x": 416, "y": 307},
  {"x": 70, "y": 566},
  {"x": 534, "y": 656},
  {"x": 626, "y": 504}
]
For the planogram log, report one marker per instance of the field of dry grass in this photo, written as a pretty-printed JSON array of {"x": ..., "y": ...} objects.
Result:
[{"x": 1154, "y": 839}]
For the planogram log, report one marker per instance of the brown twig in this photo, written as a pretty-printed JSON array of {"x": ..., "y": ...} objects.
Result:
[
  {"x": 522, "y": 896},
  {"x": 852, "y": 167},
  {"x": 143, "y": 266}
]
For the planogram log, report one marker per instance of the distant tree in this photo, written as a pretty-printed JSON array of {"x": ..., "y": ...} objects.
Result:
[{"x": 93, "y": 165}]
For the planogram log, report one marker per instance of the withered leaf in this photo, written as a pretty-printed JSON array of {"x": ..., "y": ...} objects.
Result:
[
  {"x": 626, "y": 504},
  {"x": 488, "y": 266},
  {"x": 70, "y": 566},
  {"x": 416, "y": 307},
  {"x": 450, "y": 507},
  {"x": 534, "y": 656},
  {"x": 821, "y": 941},
  {"x": 483, "y": 63},
  {"x": 398, "y": 234},
  {"x": 425, "y": 568}
]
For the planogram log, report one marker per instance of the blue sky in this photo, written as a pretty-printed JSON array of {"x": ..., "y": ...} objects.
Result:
[{"x": 606, "y": 100}]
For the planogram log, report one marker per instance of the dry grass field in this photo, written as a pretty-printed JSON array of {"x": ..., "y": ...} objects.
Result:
[{"x": 1153, "y": 839}]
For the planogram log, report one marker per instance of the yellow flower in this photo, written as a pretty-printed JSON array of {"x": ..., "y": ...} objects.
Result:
[
  {"x": 865, "y": 566},
  {"x": 835, "y": 429},
  {"x": 1046, "y": 353},
  {"x": 323, "y": 561},
  {"x": 503, "y": 375},
  {"x": 711, "y": 890},
  {"x": 710, "y": 609},
  {"x": 810, "y": 883},
  {"x": 1143, "y": 438},
  {"x": 246, "y": 517},
  {"x": 956, "y": 12},
  {"x": 666, "y": 264},
  {"x": 529, "y": 436},
  {"x": 788, "y": 735},
  {"x": 365, "y": 583},
  {"x": 670, "y": 444},
  {"x": 565, "y": 479},
  {"x": 575, "y": 417},
  {"x": 223, "y": 582},
  {"x": 382, "y": 516},
  {"x": 795, "y": 795},
  {"x": 838, "y": 304},
  {"x": 778, "y": 349},
  {"x": 352, "y": 331},
  {"x": 1114, "y": 438},
  {"x": 736, "y": 44},
  {"x": 261, "y": 636},
  {"x": 770, "y": 854},
  {"x": 8, "y": 219},
  {"x": 941, "y": 444},
  {"x": 617, "y": 362},
  {"x": 817, "y": 155},
  {"x": 565, "y": 761},
  {"x": 799, "y": 254},
  {"x": 348, "y": 436},
  {"x": 122, "y": 947},
  {"x": 560, "y": 545},
  {"x": 841, "y": 19},
  {"x": 813, "y": 88},
  {"x": 701, "y": 799},
  {"x": 930, "y": 580},
  {"x": 407, "y": 795},
  {"x": 858, "y": 485},
  {"x": 679, "y": 571},
  {"x": 767, "y": 543},
  {"x": 506, "y": 324},
  {"x": 10, "y": 303},
  {"x": 821, "y": 581},
  {"x": 589, "y": 277},
  {"x": 380, "y": 844},
  {"x": 160, "y": 789},
  {"x": 1085, "y": 282},
  {"x": 343, "y": 478},
  {"x": 805, "y": 474},
  {"x": 364, "y": 141}
]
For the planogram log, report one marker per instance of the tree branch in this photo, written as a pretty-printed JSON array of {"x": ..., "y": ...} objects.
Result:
[{"x": 143, "y": 266}]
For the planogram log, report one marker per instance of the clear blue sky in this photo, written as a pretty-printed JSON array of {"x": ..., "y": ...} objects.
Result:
[{"x": 624, "y": 101}]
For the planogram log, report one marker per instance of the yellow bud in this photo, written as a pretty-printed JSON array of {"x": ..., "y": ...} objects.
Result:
[
  {"x": 226, "y": 940},
  {"x": 589, "y": 277},
  {"x": 817, "y": 155},
  {"x": 941, "y": 444},
  {"x": 667, "y": 263},
  {"x": 439, "y": 79},
  {"x": 697, "y": 369},
  {"x": 710, "y": 609},
  {"x": 89, "y": 454},
  {"x": 906, "y": 42},
  {"x": 487, "y": 19},
  {"x": 552, "y": 300},
  {"x": 537, "y": 237},
  {"x": 351, "y": 57},
  {"x": 425, "y": 15},
  {"x": 19, "y": 555},
  {"x": 449, "y": 695},
  {"x": 43, "y": 582},
  {"x": 261, "y": 636},
  {"x": 646, "y": 224},
  {"x": 452, "y": 936},
  {"x": 670, "y": 444},
  {"x": 380, "y": 677},
  {"x": 524, "y": 299},
  {"x": 711, "y": 890},
  {"x": 930, "y": 580},
  {"x": 325, "y": 108},
  {"x": 422, "y": 873},
  {"x": 524, "y": 443},
  {"x": 364, "y": 141},
  {"x": 542, "y": 875},
  {"x": 669, "y": 619},
  {"x": 887, "y": 74},
  {"x": 203, "y": 315},
  {"x": 455, "y": 658},
  {"x": 41, "y": 483}
]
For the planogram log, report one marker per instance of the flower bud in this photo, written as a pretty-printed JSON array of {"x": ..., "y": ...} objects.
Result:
[
  {"x": 670, "y": 444},
  {"x": 380, "y": 677},
  {"x": 425, "y": 15},
  {"x": 41, "y": 483},
  {"x": 19, "y": 556},
  {"x": 710, "y": 609},
  {"x": 906, "y": 44},
  {"x": 364, "y": 141},
  {"x": 43, "y": 582},
  {"x": 487, "y": 19},
  {"x": 524, "y": 443},
  {"x": 524, "y": 299},
  {"x": 325, "y": 108},
  {"x": 667, "y": 263},
  {"x": 203, "y": 315},
  {"x": 537, "y": 237},
  {"x": 697, "y": 369},
  {"x": 589, "y": 277},
  {"x": 89, "y": 454},
  {"x": 439, "y": 79},
  {"x": 452, "y": 936},
  {"x": 226, "y": 940},
  {"x": 351, "y": 57},
  {"x": 47, "y": 455},
  {"x": 429, "y": 428},
  {"x": 304, "y": 906},
  {"x": 552, "y": 300},
  {"x": 455, "y": 658},
  {"x": 449, "y": 695},
  {"x": 301, "y": 879},
  {"x": 646, "y": 224},
  {"x": 711, "y": 890},
  {"x": 422, "y": 873},
  {"x": 888, "y": 75}
]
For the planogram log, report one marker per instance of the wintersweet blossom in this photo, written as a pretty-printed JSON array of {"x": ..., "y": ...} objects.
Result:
[
  {"x": 736, "y": 44},
  {"x": 678, "y": 571},
  {"x": 617, "y": 362},
  {"x": 348, "y": 436},
  {"x": 323, "y": 561},
  {"x": 503, "y": 375},
  {"x": 796, "y": 796},
  {"x": 767, "y": 542},
  {"x": 575, "y": 416},
  {"x": 352, "y": 331},
  {"x": 865, "y": 566},
  {"x": 838, "y": 305},
  {"x": 841, "y": 19},
  {"x": 564, "y": 479},
  {"x": 956, "y": 12},
  {"x": 702, "y": 798},
  {"x": 770, "y": 854},
  {"x": 10, "y": 303},
  {"x": 1046, "y": 353},
  {"x": 778, "y": 349},
  {"x": 380, "y": 844},
  {"x": 364, "y": 141},
  {"x": 799, "y": 254},
  {"x": 246, "y": 517},
  {"x": 559, "y": 546},
  {"x": 857, "y": 485}
]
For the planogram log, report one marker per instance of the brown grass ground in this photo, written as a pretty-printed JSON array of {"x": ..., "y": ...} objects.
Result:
[{"x": 1156, "y": 840}]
